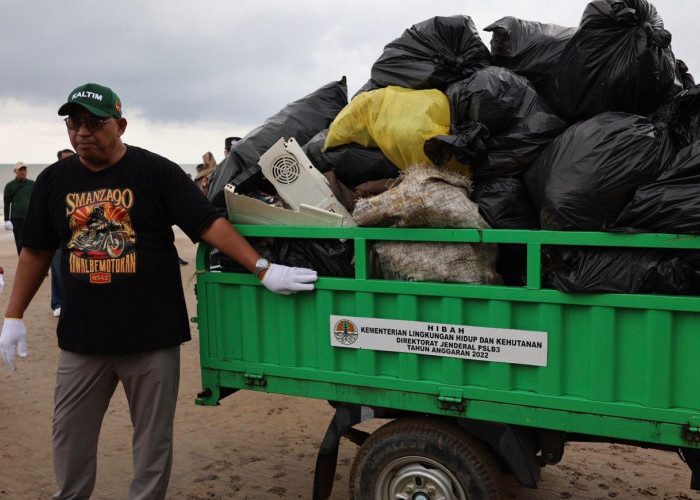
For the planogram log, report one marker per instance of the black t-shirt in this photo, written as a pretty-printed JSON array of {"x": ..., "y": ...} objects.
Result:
[{"x": 122, "y": 288}]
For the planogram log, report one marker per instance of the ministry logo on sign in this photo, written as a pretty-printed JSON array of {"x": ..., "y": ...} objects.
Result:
[{"x": 345, "y": 332}]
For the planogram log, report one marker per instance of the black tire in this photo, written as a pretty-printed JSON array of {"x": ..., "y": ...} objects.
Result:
[{"x": 424, "y": 458}]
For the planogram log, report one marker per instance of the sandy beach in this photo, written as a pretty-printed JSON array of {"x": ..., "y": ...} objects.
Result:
[{"x": 252, "y": 446}]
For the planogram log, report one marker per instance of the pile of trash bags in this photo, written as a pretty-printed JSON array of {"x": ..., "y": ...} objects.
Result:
[{"x": 594, "y": 127}]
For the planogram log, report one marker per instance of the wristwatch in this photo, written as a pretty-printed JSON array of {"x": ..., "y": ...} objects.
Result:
[{"x": 261, "y": 265}]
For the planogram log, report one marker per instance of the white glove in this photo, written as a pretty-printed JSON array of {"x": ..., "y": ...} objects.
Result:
[
  {"x": 13, "y": 336},
  {"x": 8, "y": 225},
  {"x": 287, "y": 280}
]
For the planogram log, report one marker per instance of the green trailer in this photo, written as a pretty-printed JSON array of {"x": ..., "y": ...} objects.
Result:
[{"x": 477, "y": 380}]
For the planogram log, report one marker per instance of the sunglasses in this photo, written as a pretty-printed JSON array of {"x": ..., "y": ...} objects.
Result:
[{"x": 91, "y": 122}]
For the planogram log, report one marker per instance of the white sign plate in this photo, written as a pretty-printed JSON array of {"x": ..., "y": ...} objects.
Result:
[{"x": 502, "y": 345}]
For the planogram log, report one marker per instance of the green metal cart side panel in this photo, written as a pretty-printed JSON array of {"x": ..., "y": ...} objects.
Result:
[{"x": 619, "y": 366}]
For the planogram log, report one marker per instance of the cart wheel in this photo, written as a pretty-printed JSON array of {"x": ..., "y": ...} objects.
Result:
[{"x": 423, "y": 459}]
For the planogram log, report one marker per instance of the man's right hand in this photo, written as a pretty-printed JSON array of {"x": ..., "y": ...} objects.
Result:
[
  {"x": 287, "y": 280},
  {"x": 13, "y": 337},
  {"x": 8, "y": 225}
]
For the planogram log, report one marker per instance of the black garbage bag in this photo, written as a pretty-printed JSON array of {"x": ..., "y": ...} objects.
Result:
[
  {"x": 520, "y": 123},
  {"x": 491, "y": 95},
  {"x": 692, "y": 257},
  {"x": 617, "y": 270},
  {"x": 587, "y": 175},
  {"x": 505, "y": 203},
  {"x": 684, "y": 116},
  {"x": 352, "y": 164},
  {"x": 620, "y": 59},
  {"x": 667, "y": 110},
  {"x": 468, "y": 146},
  {"x": 669, "y": 204},
  {"x": 431, "y": 54},
  {"x": 682, "y": 111},
  {"x": 529, "y": 48},
  {"x": 219, "y": 261},
  {"x": 683, "y": 74},
  {"x": 326, "y": 257},
  {"x": 301, "y": 119}
]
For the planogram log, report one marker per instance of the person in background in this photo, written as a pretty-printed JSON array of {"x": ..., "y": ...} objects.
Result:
[
  {"x": 111, "y": 208},
  {"x": 202, "y": 177},
  {"x": 56, "y": 281},
  {"x": 65, "y": 153},
  {"x": 17, "y": 194},
  {"x": 205, "y": 171},
  {"x": 229, "y": 142}
]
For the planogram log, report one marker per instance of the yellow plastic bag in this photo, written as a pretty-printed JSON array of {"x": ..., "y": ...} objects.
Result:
[{"x": 396, "y": 120}]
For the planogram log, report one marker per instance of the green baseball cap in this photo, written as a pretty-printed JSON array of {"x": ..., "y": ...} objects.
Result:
[{"x": 97, "y": 99}]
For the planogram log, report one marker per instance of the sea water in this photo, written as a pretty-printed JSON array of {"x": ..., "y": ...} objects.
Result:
[{"x": 34, "y": 169}]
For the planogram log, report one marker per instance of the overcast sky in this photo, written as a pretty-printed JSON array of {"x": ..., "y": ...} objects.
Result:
[{"x": 191, "y": 73}]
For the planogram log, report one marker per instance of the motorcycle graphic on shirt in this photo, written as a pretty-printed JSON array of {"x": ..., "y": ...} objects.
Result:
[{"x": 103, "y": 242}]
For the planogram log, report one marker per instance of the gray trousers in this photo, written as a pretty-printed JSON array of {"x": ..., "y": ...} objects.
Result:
[{"x": 84, "y": 387}]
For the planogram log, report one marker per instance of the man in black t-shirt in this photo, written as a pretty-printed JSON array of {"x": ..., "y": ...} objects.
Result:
[{"x": 110, "y": 208}]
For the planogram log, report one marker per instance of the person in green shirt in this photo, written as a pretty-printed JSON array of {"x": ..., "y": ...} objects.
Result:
[{"x": 17, "y": 193}]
